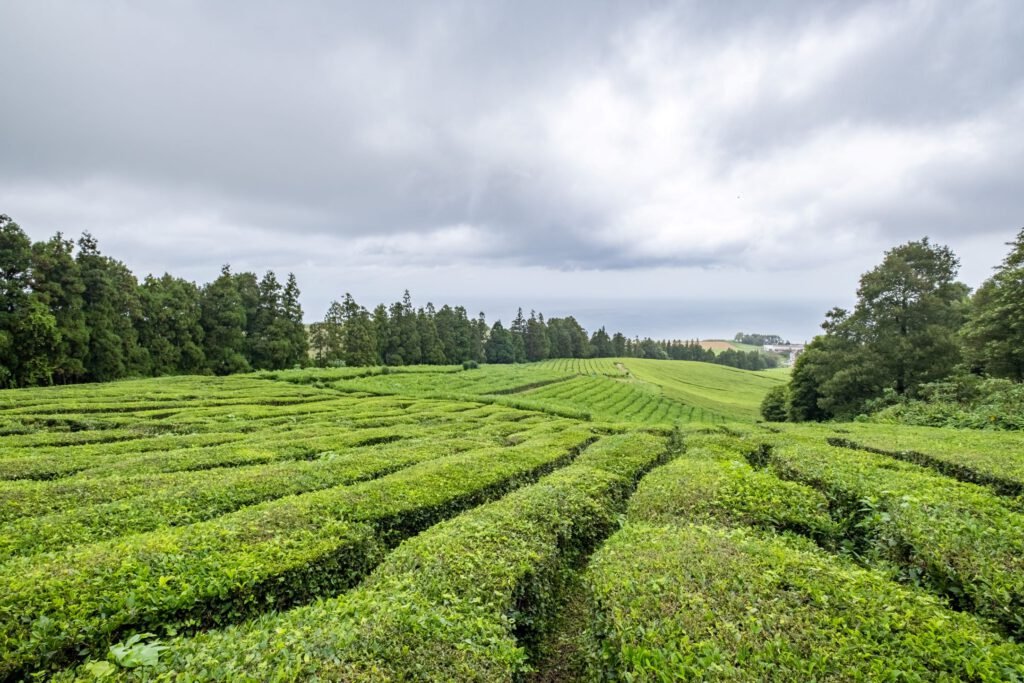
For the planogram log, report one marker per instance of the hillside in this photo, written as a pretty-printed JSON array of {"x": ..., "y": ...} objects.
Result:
[{"x": 570, "y": 520}]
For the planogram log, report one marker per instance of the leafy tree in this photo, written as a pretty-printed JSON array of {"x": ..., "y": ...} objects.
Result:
[
  {"x": 500, "y": 347},
  {"x": 224, "y": 324},
  {"x": 169, "y": 325},
  {"x": 111, "y": 305},
  {"x": 57, "y": 280},
  {"x": 994, "y": 333},
  {"x": 602, "y": 345},
  {"x": 901, "y": 334},
  {"x": 358, "y": 334}
]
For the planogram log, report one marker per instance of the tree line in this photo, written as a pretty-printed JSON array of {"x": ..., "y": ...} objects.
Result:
[
  {"x": 69, "y": 313},
  {"x": 914, "y": 324},
  {"x": 401, "y": 334}
]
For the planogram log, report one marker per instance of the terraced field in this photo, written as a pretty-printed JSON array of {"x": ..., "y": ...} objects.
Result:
[{"x": 572, "y": 520}]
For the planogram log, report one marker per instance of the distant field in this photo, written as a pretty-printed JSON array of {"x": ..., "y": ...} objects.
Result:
[
  {"x": 571, "y": 520},
  {"x": 719, "y": 345}
]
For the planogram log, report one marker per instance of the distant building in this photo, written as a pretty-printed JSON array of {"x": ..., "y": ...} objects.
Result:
[{"x": 791, "y": 351}]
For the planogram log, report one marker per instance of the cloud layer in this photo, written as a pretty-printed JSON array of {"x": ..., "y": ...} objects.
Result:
[{"x": 637, "y": 140}]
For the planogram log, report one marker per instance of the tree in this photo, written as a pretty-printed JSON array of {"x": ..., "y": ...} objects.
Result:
[
  {"x": 294, "y": 325},
  {"x": 15, "y": 261},
  {"x": 358, "y": 334},
  {"x": 224, "y": 325},
  {"x": 111, "y": 305},
  {"x": 57, "y": 280},
  {"x": 601, "y": 343},
  {"x": 499, "y": 347},
  {"x": 536, "y": 338},
  {"x": 431, "y": 350},
  {"x": 773, "y": 405},
  {"x": 994, "y": 333},
  {"x": 518, "y": 331},
  {"x": 901, "y": 334},
  {"x": 169, "y": 326},
  {"x": 332, "y": 334}
]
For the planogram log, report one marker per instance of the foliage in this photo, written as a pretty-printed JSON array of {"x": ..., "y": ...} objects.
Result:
[
  {"x": 994, "y": 333},
  {"x": 901, "y": 334},
  {"x": 962, "y": 402},
  {"x": 774, "y": 405},
  {"x": 688, "y": 602}
]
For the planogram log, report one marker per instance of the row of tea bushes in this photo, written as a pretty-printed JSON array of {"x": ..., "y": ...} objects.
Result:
[
  {"x": 688, "y": 590},
  {"x": 204, "y": 495},
  {"x": 262, "y": 557},
  {"x": 463, "y": 601},
  {"x": 959, "y": 539},
  {"x": 691, "y": 602}
]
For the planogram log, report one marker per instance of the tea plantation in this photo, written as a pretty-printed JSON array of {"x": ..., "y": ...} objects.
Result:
[{"x": 571, "y": 520}]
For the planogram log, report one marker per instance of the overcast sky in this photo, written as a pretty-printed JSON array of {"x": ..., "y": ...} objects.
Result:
[{"x": 673, "y": 169}]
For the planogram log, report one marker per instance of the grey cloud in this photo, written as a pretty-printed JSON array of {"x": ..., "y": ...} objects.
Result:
[{"x": 355, "y": 126}]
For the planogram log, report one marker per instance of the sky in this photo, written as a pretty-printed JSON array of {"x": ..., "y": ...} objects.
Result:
[{"x": 672, "y": 169}]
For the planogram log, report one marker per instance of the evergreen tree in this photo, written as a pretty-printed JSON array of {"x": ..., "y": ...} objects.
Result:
[
  {"x": 901, "y": 334},
  {"x": 602, "y": 344},
  {"x": 994, "y": 333},
  {"x": 57, "y": 280},
  {"x": 266, "y": 333},
  {"x": 358, "y": 334},
  {"x": 518, "y": 331},
  {"x": 333, "y": 338},
  {"x": 294, "y": 325},
  {"x": 382, "y": 331},
  {"x": 169, "y": 326},
  {"x": 500, "y": 347},
  {"x": 111, "y": 307},
  {"x": 619, "y": 349},
  {"x": 224, "y": 325},
  {"x": 431, "y": 351},
  {"x": 536, "y": 338}
]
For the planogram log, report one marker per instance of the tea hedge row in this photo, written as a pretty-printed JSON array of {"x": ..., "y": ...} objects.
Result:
[
  {"x": 261, "y": 557},
  {"x": 718, "y": 486},
  {"x": 203, "y": 496},
  {"x": 688, "y": 602},
  {"x": 463, "y": 601},
  {"x": 961, "y": 540}
]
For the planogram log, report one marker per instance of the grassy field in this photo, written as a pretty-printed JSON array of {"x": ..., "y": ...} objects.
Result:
[{"x": 572, "y": 520}]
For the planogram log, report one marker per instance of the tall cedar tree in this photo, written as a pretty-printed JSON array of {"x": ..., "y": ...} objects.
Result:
[
  {"x": 224, "y": 325},
  {"x": 994, "y": 334},
  {"x": 57, "y": 280},
  {"x": 111, "y": 305},
  {"x": 169, "y": 326}
]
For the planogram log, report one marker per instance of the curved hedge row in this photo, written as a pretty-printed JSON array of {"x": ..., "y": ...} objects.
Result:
[
  {"x": 701, "y": 603},
  {"x": 462, "y": 601},
  {"x": 203, "y": 496},
  {"x": 961, "y": 540},
  {"x": 266, "y": 556},
  {"x": 718, "y": 487}
]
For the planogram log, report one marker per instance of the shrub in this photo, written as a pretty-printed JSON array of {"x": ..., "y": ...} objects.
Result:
[
  {"x": 773, "y": 406},
  {"x": 470, "y": 365}
]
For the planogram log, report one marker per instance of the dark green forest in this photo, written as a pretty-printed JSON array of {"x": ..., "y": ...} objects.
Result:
[
  {"x": 69, "y": 314},
  {"x": 917, "y": 346}
]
